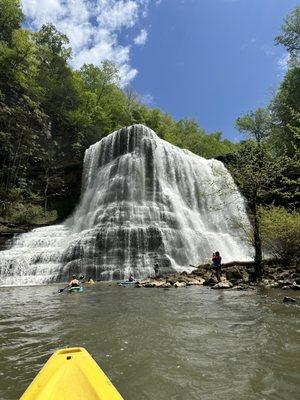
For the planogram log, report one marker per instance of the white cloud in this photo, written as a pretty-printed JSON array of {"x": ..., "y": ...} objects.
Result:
[
  {"x": 93, "y": 27},
  {"x": 115, "y": 15},
  {"x": 141, "y": 38}
]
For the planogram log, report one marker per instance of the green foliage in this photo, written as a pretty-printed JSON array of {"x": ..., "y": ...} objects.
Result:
[
  {"x": 286, "y": 115},
  {"x": 53, "y": 45},
  {"x": 290, "y": 37},
  {"x": 280, "y": 229},
  {"x": 23, "y": 207},
  {"x": 50, "y": 114},
  {"x": 188, "y": 135},
  {"x": 11, "y": 17},
  {"x": 256, "y": 124},
  {"x": 256, "y": 171}
]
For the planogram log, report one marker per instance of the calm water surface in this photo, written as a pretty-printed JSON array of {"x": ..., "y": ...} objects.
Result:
[{"x": 183, "y": 344}]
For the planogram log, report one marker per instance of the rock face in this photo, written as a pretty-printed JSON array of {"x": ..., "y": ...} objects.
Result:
[{"x": 143, "y": 202}]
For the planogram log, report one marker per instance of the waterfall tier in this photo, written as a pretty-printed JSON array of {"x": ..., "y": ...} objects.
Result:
[{"x": 144, "y": 201}]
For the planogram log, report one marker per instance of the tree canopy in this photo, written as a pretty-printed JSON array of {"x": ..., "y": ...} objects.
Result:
[{"x": 50, "y": 113}]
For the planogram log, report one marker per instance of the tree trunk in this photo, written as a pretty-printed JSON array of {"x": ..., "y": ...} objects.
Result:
[{"x": 46, "y": 191}]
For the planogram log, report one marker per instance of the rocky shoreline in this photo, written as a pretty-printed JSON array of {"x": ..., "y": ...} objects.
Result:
[{"x": 234, "y": 276}]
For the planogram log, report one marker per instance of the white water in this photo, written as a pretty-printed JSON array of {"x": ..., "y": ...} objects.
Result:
[{"x": 144, "y": 201}]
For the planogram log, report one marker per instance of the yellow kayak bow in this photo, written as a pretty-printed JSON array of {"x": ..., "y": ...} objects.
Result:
[{"x": 71, "y": 374}]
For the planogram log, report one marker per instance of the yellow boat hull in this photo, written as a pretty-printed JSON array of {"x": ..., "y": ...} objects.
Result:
[{"x": 71, "y": 374}]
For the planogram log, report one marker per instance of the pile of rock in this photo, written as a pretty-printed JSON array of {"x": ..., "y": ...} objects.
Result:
[
  {"x": 235, "y": 276},
  {"x": 201, "y": 276},
  {"x": 176, "y": 280},
  {"x": 277, "y": 277}
]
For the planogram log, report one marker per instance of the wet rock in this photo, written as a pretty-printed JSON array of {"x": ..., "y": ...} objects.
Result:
[
  {"x": 287, "y": 299},
  {"x": 295, "y": 286},
  {"x": 237, "y": 273},
  {"x": 286, "y": 288},
  {"x": 284, "y": 275},
  {"x": 286, "y": 282},
  {"x": 297, "y": 280},
  {"x": 264, "y": 283},
  {"x": 198, "y": 272},
  {"x": 210, "y": 281},
  {"x": 274, "y": 285},
  {"x": 192, "y": 281},
  {"x": 144, "y": 281},
  {"x": 166, "y": 285},
  {"x": 160, "y": 283},
  {"x": 149, "y": 285},
  {"x": 172, "y": 279},
  {"x": 223, "y": 285},
  {"x": 240, "y": 287},
  {"x": 179, "y": 284}
]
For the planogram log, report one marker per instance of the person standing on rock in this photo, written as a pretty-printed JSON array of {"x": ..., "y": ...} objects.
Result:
[
  {"x": 217, "y": 260},
  {"x": 156, "y": 270}
]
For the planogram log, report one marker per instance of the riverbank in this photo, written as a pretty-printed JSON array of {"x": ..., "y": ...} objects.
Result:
[{"x": 234, "y": 276}]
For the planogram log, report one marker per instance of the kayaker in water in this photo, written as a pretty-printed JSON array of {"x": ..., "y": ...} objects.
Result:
[
  {"x": 74, "y": 282},
  {"x": 131, "y": 278},
  {"x": 217, "y": 259}
]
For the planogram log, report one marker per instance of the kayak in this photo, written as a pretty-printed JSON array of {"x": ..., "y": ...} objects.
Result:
[
  {"x": 73, "y": 289},
  {"x": 128, "y": 282},
  {"x": 71, "y": 374}
]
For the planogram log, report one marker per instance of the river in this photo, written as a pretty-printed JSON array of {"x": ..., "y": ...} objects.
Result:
[{"x": 179, "y": 344}]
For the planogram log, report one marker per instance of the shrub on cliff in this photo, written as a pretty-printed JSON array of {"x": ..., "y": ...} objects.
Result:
[{"x": 280, "y": 231}]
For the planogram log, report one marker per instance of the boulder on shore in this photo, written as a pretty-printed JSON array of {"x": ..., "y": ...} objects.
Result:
[
  {"x": 193, "y": 281},
  {"x": 295, "y": 286},
  {"x": 179, "y": 284},
  {"x": 223, "y": 285},
  {"x": 236, "y": 273},
  {"x": 288, "y": 299}
]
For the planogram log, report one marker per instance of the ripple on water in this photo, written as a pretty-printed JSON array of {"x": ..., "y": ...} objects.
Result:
[{"x": 156, "y": 344}]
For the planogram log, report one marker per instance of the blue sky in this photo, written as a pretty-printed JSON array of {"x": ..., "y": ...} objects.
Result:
[{"x": 210, "y": 60}]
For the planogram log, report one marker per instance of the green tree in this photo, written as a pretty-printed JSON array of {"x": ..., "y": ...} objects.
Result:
[
  {"x": 58, "y": 95},
  {"x": 255, "y": 171},
  {"x": 99, "y": 79},
  {"x": 11, "y": 18},
  {"x": 280, "y": 230},
  {"x": 286, "y": 114},
  {"x": 290, "y": 37}
]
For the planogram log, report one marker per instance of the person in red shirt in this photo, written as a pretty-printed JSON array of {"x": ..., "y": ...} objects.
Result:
[{"x": 217, "y": 260}]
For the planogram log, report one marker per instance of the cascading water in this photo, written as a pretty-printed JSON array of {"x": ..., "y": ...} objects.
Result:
[{"x": 144, "y": 201}]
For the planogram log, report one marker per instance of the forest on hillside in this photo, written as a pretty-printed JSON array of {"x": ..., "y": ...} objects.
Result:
[{"x": 50, "y": 114}]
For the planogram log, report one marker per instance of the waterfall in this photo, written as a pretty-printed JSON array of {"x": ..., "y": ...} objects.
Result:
[{"x": 143, "y": 201}]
